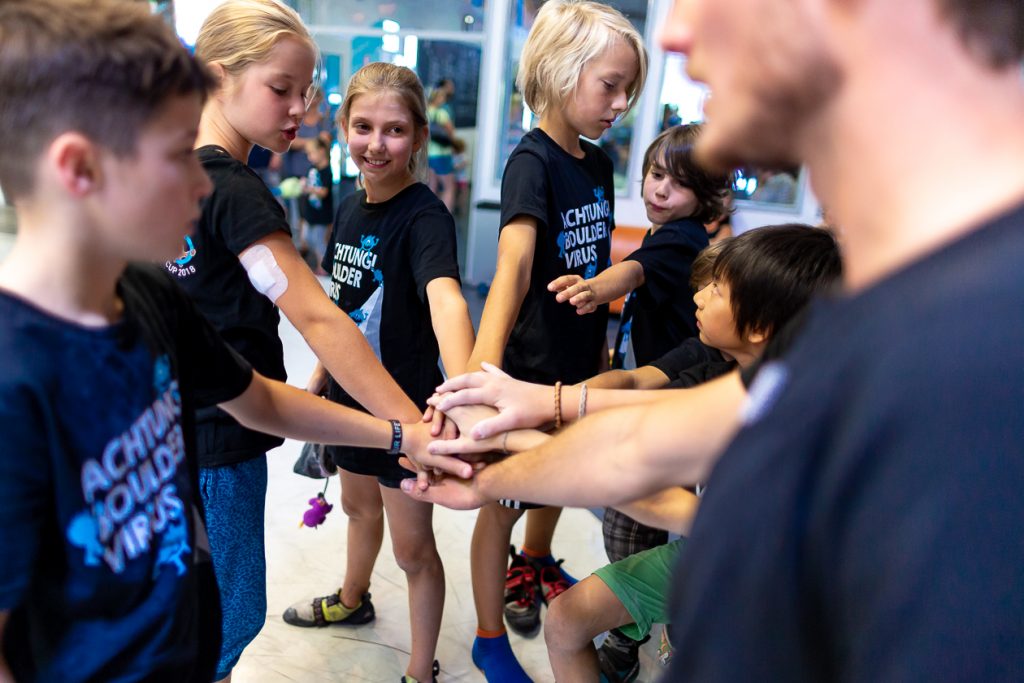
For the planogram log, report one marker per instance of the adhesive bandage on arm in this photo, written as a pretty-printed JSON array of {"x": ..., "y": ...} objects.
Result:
[{"x": 264, "y": 273}]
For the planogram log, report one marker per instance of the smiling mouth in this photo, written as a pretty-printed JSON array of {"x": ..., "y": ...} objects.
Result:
[{"x": 376, "y": 163}]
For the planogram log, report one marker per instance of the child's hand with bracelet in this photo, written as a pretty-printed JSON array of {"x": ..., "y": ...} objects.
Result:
[{"x": 519, "y": 404}]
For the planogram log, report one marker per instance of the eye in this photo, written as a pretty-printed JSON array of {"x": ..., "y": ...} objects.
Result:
[
  {"x": 608, "y": 86},
  {"x": 397, "y": 130},
  {"x": 657, "y": 175},
  {"x": 279, "y": 91}
]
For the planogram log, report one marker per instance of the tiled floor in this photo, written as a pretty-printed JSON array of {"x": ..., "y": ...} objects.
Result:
[{"x": 303, "y": 562}]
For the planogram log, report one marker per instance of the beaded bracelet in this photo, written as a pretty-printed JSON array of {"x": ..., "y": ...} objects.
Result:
[{"x": 558, "y": 405}]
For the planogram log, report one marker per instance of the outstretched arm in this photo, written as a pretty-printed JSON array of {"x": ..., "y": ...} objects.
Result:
[
  {"x": 672, "y": 509},
  {"x": 278, "y": 408},
  {"x": 334, "y": 338},
  {"x": 614, "y": 457},
  {"x": 511, "y": 280},
  {"x": 587, "y": 295},
  {"x": 525, "y": 405}
]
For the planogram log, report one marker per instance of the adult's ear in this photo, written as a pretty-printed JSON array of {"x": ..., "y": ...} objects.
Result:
[{"x": 74, "y": 160}]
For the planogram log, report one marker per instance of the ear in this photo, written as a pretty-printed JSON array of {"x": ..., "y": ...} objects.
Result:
[
  {"x": 343, "y": 127},
  {"x": 74, "y": 159},
  {"x": 422, "y": 135},
  {"x": 757, "y": 337}
]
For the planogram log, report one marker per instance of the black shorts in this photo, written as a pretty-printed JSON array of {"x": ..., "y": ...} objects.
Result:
[{"x": 372, "y": 462}]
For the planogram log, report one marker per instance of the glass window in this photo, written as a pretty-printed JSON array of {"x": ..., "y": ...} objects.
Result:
[
  {"x": 682, "y": 101},
  {"x": 436, "y": 15},
  {"x": 518, "y": 119}
]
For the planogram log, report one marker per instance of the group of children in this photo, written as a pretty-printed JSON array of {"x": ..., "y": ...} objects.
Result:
[{"x": 140, "y": 518}]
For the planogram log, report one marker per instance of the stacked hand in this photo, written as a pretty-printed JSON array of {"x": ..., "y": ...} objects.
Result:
[{"x": 519, "y": 404}]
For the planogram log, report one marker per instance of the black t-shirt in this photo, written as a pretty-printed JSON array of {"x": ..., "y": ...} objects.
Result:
[
  {"x": 865, "y": 525},
  {"x": 691, "y": 363},
  {"x": 381, "y": 258},
  {"x": 106, "y": 568},
  {"x": 239, "y": 212},
  {"x": 573, "y": 201},
  {"x": 318, "y": 210},
  {"x": 661, "y": 313}
]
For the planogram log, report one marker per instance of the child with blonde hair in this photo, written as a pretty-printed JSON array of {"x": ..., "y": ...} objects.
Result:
[
  {"x": 394, "y": 270},
  {"x": 582, "y": 67},
  {"x": 240, "y": 266}
]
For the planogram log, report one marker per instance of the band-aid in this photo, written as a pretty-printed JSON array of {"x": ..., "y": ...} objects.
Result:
[{"x": 264, "y": 273}]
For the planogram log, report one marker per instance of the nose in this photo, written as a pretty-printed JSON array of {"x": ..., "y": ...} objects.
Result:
[
  {"x": 676, "y": 34},
  {"x": 698, "y": 298},
  {"x": 621, "y": 101},
  {"x": 297, "y": 107},
  {"x": 661, "y": 187},
  {"x": 376, "y": 141}
]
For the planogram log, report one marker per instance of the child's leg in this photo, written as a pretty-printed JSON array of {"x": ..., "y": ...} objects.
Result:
[
  {"x": 361, "y": 501},
  {"x": 234, "y": 498},
  {"x": 492, "y": 652},
  {"x": 574, "y": 619},
  {"x": 540, "y": 529},
  {"x": 489, "y": 562},
  {"x": 362, "y": 504},
  {"x": 412, "y": 537}
]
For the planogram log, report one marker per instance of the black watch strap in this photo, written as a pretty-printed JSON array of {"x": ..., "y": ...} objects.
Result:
[{"x": 396, "y": 437}]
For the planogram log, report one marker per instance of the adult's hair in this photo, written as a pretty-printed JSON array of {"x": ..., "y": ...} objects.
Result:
[
  {"x": 379, "y": 77},
  {"x": 96, "y": 67},
  {"x": 239, "y": 33},
  {"x": 672, "y": 150},
  {"x": 991, "y": 29},
  {"x": 565, "y": 37},
  {"x": 773, "y": 272}
]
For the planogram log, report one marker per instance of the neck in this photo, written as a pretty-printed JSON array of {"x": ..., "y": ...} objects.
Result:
[
  {"x": 75, "y": 280},
  {"x": 558, "y": 129},
  {"x": 377, "y": 192},
  {"x": 920, "y": 147},
  {"x": 214, "y": 129}
]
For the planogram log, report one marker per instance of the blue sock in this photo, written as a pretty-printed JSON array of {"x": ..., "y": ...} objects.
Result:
[
  {"x": 495, "y": 658},
  {"x": 547, "y": 561}
]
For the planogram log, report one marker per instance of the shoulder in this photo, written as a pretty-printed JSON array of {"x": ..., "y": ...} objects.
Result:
[{"x": 593, "y": 154}]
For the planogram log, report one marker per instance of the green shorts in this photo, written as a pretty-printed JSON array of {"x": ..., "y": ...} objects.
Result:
[{"x": 642, "y": 583}]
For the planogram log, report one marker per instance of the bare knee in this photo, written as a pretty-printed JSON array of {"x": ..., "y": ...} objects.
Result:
[
  {"x": 565, "y": 624},
  {"x": 417, "y": 555},
  {"x": 359, "y": 507}
]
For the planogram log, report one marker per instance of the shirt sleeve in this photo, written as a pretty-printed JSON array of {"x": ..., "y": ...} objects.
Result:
[
  {"x": 691, "y": 352},
  {"x": 25, "y": 490},
  {"x": 524, "y": 189},
  {"x": 432, "y": 249},
  {"x": 667, "y": 259},
  {"x": 243, "y": 211}
]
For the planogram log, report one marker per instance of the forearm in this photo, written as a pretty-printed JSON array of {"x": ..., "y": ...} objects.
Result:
[
  {"x": 452, "y": 326},
  {"x": 278, "y": 408},
  {"x": 616, "y": 281},
  {"x": 349, "y": 359},
  {"x": 500, "y": 311},
  {"x": 672, "y": 509},
  {"x": 603, "y": 399},
  {"x": 624, "y": 454}
]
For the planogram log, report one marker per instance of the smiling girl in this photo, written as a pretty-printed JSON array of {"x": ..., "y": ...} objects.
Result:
[
  {"x": 395, "y": 272},
  {"x": 239, "y": 267}
]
